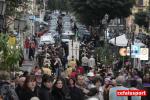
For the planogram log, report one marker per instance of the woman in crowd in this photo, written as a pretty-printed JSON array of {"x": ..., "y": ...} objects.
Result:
[
  {"x": 98, "y": 85},
  {"x": 45, "y": 90},
  {"x": 75, "y": 93},
  {"x": 29, "y": 87},
  {"x": 19, "y": 88},
  {"x": 57, "y": 91}
]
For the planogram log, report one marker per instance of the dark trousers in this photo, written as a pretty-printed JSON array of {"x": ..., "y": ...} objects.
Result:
[{"x": 86, "y": 69}]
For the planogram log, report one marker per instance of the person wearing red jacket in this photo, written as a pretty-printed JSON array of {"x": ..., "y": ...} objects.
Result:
[
  {"x": 80, "y": 70},
  {"x": 73, "y": 74},
  {"x": 27, "y": 45}
]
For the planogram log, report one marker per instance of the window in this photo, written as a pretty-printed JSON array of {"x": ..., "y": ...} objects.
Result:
[{"x": 140, "y": 2}]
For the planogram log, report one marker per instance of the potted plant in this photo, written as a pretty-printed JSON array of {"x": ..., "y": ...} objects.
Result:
[{"x": 9, "y": 54}]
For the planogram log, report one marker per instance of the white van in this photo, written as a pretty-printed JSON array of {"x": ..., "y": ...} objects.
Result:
[{"x": 47, "y": 39}]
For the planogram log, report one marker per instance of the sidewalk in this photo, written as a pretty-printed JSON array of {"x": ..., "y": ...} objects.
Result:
[{"x": 27, "y": 64}]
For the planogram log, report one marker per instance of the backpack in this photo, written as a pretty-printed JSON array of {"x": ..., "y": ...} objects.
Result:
[{"x": 7, "y": 92}]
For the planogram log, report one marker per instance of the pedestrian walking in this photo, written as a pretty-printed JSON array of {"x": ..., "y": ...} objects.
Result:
[
  {"x": 29, "y": 87},
  {"x": 92, "y": 62},
  {"x": 45, "y": 90},
  {"x": 112, "y": 92},
  {"x": 27, "y": 45},
  {"x": 7, "y": 91},
  {"x": 57, "y": 91},
  {"x": 133, "y": 84},
  {"x": 75, "y": 92},
  {"x": 85, "y": 62},
  {"x": 19, "y": 88},
  {"x": 31, "y": 50}
]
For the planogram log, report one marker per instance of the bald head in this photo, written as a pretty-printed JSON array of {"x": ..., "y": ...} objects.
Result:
[{"x": 120, "y": 80}]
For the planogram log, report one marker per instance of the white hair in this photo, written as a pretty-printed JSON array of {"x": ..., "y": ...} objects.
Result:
[
  {"x": 120, "y": 79},
  {"x": 34, "y": 98},
  {"x": 93, "y": 98}
]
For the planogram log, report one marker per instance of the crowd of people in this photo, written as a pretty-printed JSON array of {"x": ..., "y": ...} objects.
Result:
[
  {"x": 57, "y": 77},
  {"x": 101, "y": 84}
]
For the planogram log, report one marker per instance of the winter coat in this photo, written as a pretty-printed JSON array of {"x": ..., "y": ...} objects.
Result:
[
  {"x": 58, "y": 94},
  {"x": 19, "y": 91},
  {"x": 44, "y": 93},
  {"x": 28, "y": 94},
  {"x": 76, "y": 93}
]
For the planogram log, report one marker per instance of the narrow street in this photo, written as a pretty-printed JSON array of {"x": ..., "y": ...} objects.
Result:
[
  {"x": 74, "y": 49},
  {"x": 27, "y": 64}
]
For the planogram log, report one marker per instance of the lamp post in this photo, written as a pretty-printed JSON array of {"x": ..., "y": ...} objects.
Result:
[
  {"x": 19, "y": 26},
  {"x": 105, "y": 23},
  {"x": 2, "y": 12},
  {"x": 72, "y": 38}
]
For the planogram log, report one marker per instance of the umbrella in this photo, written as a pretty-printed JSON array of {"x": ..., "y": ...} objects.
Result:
[
  {"x": 138, "y": 43},
  {"x": 120, "y": 41}
]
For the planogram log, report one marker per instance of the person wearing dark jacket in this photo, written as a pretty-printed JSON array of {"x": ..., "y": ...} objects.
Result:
[
  {"x": 19, "y": 88},
  {"x": 57, "y": 91},
  {"x": 29, "y": 88},
  {"x": 75, "y": 92},
  {"x": 45, "y": 90}
]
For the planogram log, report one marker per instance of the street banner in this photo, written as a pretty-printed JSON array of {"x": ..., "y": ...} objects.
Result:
[
  {"x": 12, "y": 40},
  {"x": 135, "y": 51},
  {"x": 144, "y": 54},
  {"x": 74, "y": 49}
]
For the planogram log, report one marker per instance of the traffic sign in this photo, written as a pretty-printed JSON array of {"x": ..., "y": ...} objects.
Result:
[
  {"x": 135, "y": 51},
  {"x": 144, "y": 54}
]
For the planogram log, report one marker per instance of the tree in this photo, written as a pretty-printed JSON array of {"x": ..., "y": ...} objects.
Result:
[
  {"x": 58, "y": 5},
  {"x": 11, "y": 12},
  {"x": 142, "y": 19},
  {"x": 91, "y": 12},
  {"x": 9, "y": 55}
]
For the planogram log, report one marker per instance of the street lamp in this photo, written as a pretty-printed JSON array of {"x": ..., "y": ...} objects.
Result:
[
  {"x": 2, "y": 12},
  {"x": 105, "y": 23}
]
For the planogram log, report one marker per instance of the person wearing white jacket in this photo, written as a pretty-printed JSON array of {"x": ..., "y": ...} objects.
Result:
[
  {"x": 85, "y": 61},
  {"x": 92, "y": 62}
]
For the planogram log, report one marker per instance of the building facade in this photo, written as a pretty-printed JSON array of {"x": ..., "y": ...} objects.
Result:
[{"x": 141, "y": 5}]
